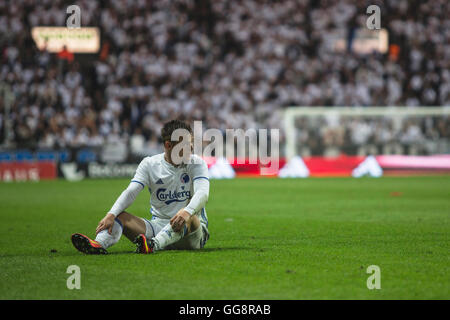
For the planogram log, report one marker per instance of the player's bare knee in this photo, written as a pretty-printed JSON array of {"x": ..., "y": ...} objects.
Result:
[
  {"x": 131, "y": 225},
  {"x": 124, "y": 217}
]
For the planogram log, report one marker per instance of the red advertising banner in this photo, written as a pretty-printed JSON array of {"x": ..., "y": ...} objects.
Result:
[
  {"x": 246, "y": 167},
  {"x": 315, "y": 166},
  {"x": 27, "y": 171},
  {"x": 339, "y": 166},
  {"x": 343, "y": 165}
]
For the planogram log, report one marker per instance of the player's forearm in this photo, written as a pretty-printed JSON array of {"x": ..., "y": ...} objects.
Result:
[
  {"x": 200, "y": 198},
  {"x": 126, "y": 199}
]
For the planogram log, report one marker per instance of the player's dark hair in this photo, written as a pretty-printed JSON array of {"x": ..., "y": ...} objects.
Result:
[{"x": 171, "y": 126}]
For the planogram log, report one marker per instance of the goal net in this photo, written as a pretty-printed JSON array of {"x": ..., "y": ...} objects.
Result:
[{"x": 330, "y": 132}]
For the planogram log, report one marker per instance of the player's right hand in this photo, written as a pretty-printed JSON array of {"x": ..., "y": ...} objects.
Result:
[{"x": 106, "y": 223}]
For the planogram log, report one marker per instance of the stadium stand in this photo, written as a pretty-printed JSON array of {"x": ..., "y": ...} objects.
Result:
[{"x": 232, "y": 64}]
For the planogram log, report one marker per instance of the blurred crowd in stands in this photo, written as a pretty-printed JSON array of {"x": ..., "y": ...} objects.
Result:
[{"x": 231, "y": 64}]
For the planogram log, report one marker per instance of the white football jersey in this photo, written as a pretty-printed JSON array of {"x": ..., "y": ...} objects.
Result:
[{"x": 171, "y": 187}]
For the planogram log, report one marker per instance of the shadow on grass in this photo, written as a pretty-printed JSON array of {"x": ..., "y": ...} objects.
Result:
[
  {"x": 71, "y": 253},
  {"x": 200, "y": 251}
]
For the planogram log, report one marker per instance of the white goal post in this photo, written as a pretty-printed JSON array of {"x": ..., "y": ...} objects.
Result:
[{"x": 395, "y": 114}]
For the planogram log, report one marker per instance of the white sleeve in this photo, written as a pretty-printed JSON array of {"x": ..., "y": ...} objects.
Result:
[
  {"x": 200, "y": 180},
  {"x": 142, "y": 173},
  {"x": 201, "y": 194},
  {"x": 139, "y": 181},
  {"x": 126, "y": 198}
]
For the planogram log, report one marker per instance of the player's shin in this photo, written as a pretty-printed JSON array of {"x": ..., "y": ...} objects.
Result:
[
  {"x": 105, "y": 239},
  {"x": 168, "y": 236}
]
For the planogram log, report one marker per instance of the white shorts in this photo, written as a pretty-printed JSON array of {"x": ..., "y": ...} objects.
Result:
[{"x": 194, "y": 240}]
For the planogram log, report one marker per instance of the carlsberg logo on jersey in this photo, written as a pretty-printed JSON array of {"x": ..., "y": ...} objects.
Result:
[{"x": 172, "y": 196}]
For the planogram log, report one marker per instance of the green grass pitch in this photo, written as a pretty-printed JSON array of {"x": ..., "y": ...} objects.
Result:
[{"x": 270, "y": 239}]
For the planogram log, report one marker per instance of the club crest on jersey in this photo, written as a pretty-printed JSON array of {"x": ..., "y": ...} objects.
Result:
[
  {"x": 172, "y": 196},
  {"x": 184, "y": 178}
]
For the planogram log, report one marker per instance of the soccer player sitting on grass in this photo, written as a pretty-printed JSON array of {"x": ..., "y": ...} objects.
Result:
[{"x": 179, "y": 191}]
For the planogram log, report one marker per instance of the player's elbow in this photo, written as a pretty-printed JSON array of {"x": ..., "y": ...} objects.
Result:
[{"x": 134, "y": 187}]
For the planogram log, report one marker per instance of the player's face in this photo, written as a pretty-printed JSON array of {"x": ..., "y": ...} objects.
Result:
[{"x": 180, "y": 151}]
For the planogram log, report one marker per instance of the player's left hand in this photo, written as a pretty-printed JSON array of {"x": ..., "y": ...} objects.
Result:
[{"x": 178, "y": 220}]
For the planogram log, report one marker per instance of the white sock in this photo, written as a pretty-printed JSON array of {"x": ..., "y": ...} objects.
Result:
[
  {"x": 167, "y": 236},
  {"x": 105, "y": 239}
]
